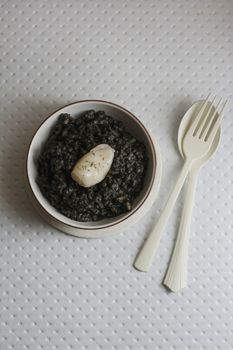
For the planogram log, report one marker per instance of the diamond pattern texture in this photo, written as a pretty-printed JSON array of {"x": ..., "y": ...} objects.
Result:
[{"x": 155, "y": 58}]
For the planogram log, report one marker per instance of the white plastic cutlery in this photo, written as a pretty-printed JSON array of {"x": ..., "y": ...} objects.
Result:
[
  {"x": 196, "y": 144},
  {"x": 176, "y": 276}
]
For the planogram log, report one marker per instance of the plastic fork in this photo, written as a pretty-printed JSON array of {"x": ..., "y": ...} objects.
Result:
[{"x": 196, "y": 144}]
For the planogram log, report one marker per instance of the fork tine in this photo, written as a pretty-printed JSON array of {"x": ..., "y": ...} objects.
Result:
[
  {"x": 198, "y": 118},
  {"x": 205, "y": 120},
  {"x": 210, "y": 135},
  {"x": 209, "y": 122}
]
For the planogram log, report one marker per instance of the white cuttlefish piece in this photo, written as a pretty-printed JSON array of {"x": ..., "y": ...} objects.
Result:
[{"x": 93, "y": 167}]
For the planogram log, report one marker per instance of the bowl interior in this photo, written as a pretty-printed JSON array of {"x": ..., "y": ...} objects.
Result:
[{"x": 131, "y": 123}]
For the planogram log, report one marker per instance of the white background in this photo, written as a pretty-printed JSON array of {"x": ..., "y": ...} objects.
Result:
[{"x": 155, "y": 58}]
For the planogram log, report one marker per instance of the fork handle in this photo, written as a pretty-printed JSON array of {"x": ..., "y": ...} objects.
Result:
[
  {"x": 148, "y": 251},
  {"x": 176, "y": 276}
]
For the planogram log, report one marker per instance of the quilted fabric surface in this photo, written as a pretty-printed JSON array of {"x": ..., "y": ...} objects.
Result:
[{"x": 155, "y": 58}]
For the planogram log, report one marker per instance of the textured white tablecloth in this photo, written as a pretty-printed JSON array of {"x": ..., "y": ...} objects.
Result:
[{"x": 155, "y": 58}]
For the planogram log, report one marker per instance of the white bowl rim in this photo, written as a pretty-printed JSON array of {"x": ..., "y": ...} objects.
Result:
[{"x": 78, "y": 225}]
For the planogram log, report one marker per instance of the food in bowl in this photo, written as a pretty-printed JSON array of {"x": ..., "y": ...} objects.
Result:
[
  {"x": 93, "y": 166},
  {"x": 69, "y": 141}
]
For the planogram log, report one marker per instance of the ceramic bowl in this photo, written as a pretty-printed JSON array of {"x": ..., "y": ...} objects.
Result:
[{"x": 109, "y": 226}]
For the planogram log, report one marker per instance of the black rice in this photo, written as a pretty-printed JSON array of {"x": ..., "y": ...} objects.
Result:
[{"x": 68, "y": 141}]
